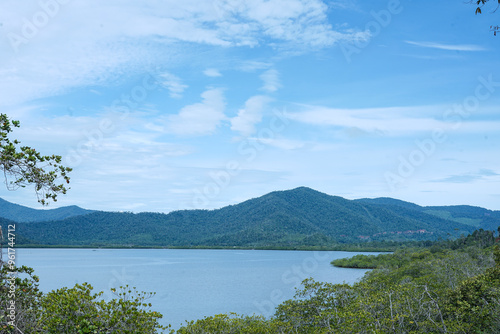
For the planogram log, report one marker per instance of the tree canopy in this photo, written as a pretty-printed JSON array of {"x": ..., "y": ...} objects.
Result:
[{"x": 24, "y": 165}]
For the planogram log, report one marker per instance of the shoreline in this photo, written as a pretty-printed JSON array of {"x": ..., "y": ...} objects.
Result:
[{"x": 298, "y": 248}]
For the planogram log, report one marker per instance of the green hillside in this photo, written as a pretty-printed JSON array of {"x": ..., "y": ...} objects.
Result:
[
  {"x": 464, "y": 214},
  {"x": 21, "y": 213},
  {"x": 287, "y": 219}
]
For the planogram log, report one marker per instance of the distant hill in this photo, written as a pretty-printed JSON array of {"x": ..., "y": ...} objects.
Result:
[
  {"x": 389, "y": 201},
  {"x": 19, "y": 213},
  {"x": 292, "y": 218},
  {"x": 464, "y": 214}
]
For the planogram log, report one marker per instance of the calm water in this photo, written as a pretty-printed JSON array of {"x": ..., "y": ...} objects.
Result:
[{"x": 190, "y": 284}]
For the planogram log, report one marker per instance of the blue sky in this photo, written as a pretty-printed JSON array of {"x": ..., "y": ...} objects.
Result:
[{"x": 167, "y": 105}]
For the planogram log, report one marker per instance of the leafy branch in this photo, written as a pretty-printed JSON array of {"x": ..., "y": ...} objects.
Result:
[
  {"x": 24, "y": 165},
  {"x": 481, "y": 3}
]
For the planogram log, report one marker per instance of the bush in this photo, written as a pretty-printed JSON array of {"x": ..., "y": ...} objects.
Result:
[{"x": 71, "y": 310}]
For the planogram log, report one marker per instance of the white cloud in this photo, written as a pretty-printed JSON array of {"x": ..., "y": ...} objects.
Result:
[
  {"x": 392, "y": 121},
  {"x": 199, "y": 118},
  {"x": 371, "y": 120},
  {"x": 116, "y": 162},
  {"x": 295, "y": 21},
  {"x": 252, "y": 65},
  {"x": 450, "y": 47},
  {"x": 271, "y": 80},
  {"x": 250, "y": 115},
  {"x": 345, "y": 5},
  {"x": 281, "y": 143},
  {"x": 173, "y": 84},
  {"x": 212, "y": 72},
  {"x": 94, "y": 42}
]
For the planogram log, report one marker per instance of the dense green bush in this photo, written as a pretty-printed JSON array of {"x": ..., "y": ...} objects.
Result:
[
  {"x": 230, "y": 324},
  {"x": 19, "y": 300}
]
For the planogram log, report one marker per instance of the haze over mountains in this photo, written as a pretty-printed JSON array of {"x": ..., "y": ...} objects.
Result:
[{"x": 292, "y": 218}]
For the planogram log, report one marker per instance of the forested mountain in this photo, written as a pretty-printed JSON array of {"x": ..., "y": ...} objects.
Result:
[
  {"x": 293, "y": 218},
  {"x": 464, "y": 214},
  {"x": 21, "y": 213},
  {"x": 387, "y": 201}
]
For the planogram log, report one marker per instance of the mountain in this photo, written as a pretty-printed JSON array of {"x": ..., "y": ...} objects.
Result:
[
  {"x": 464, "y": 214},
  {"x": 19, "y": 213},
  {"x": 292, "y": 218},
  {"x": 389, "y": 201}
]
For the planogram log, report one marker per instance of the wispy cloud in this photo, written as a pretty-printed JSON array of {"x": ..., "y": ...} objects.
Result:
[
  {"x": 253, "y": 65},
  {"x": 344, "y": 4},
  {"x": 450, "y": 47},
  {"x": 271, "y": 80},
  {"x": 156, "y": 33},
  {"x": 250, "y": 115},
  {"x": 297, "y": 22},
  {"x": 390, "y": 121},
  {"x": 173, "y": 84},
  {"x": 199, "y": 118},
  {"x": 281, "y": 143},
  {"x": 212, "y": 72},
  {"x": 468, "y": 177}
]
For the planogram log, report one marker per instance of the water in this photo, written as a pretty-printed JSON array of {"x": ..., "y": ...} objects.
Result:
[{"x": 190, "y": 284}]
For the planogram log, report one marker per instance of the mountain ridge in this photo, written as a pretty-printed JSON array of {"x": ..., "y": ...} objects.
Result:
[
  {"x": 288, "y": 218},
  {"x": 23, "y": 214},
  {"x": 4, "y": 205}
]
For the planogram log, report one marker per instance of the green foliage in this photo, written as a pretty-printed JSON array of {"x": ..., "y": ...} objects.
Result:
[
  {"x": 19, "y": 300},
  {"x": 361, "y": 261},
  {"x": 339, "y": 308},
  {"x": 71, "y": 310},
  {"x": 229, "y": 324},
  {"x": 78, "y": 310},
  {"x": 24, "y": 165},
  {"x": 323, "y": 308},
  {"x": 477, "y": 299},
  {"x": 479, "y": 239}
]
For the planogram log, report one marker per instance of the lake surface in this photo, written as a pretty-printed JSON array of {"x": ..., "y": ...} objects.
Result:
[{"x": 190, "y": 284}]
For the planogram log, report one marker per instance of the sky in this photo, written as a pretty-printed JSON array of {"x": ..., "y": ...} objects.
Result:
[{"x": 170, "y": 105}]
